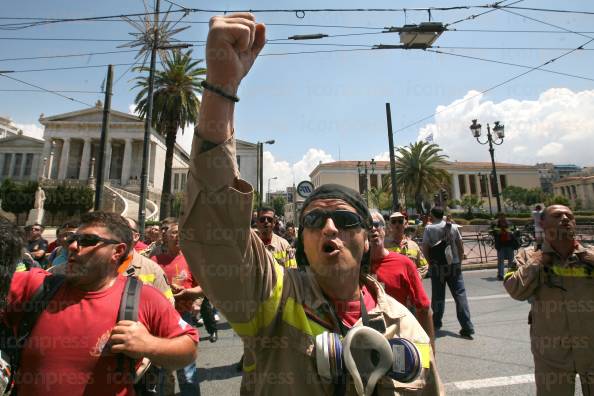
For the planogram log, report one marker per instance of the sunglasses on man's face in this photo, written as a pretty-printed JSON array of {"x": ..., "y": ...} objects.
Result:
[
  {"x": 265, "y": 219},
  {"x": 399, "y": 220},
  {"x": 86, "y": 240},
  {"x": 377, "y": 224},
  {"x": 343, "y": 219}
]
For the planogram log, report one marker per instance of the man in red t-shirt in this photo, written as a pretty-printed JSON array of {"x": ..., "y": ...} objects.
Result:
[
  {"x": 400, "y": 276},
  {"x": 73, "y": 349},
  {"x": 185, "y": 291}
]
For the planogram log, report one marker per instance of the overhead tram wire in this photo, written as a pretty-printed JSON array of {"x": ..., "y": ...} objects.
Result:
[
  {"x": 58, "y": 91},
  {"x": 495, "y": 86},
  {"x": 510, "y": 64},
  {"x": 65, "y": 55},
  {"x": 473, "y": 17},
  {"x": 547, "y": 23},
  {"x": 46, "y": 90}
]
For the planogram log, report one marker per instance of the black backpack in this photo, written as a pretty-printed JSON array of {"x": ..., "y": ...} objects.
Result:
[
  {"x": 437, "y": 254},
  {"x": 11, "y": 345}
]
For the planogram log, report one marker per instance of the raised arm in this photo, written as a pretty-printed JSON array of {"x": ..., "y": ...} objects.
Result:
[{"x": 227, "y": 259}]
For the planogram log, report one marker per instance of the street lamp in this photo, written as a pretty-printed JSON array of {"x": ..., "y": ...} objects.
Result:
[
  {"x": 475, "y": 128},
  {"x": 268, "y": 196},
  {"x": 260, "y": 169}
]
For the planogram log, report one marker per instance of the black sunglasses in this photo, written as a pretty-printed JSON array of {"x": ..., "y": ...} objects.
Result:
[
  {"x": 377, "y": 224},
  {"x": 342, "y": 219},
  {"x": 265, "y": 219},
  {"x": 86, "y": 240}
]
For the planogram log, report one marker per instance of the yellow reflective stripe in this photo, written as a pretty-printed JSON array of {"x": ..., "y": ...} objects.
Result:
[
  {"x": 265, "y": 312},
  {"x": 147, "y": 278},
  {"x": 250, "y": 368},
  {"x": 280, "y": 255},
  {"x": 508, "y": 275},
  {"x": 21, "y": 267},
  {"x": 294, "y": 315},
  {"x": 425, "y": 350},
  {"x": 423, "y": 262},
  {"x": 574, "y": 272},
  {"x": 291, "y": 263},
  {"x": 168, "y": 294}
]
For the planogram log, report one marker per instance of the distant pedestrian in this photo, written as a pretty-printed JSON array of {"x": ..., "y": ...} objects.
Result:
[
  {"x": 505, "y": 243},
  {"x": 442, "y": 245},
  {"x": 36, "y": 245}
]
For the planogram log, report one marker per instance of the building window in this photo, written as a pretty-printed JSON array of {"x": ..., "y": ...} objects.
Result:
[
  {"x": 28, "y": 164},
  {"x": 462, "y": 184},
  {"x": 238, "y": 158},
  {"x": 18, "y": 162},
  {"x": 472, "y": 183},
  {"x": 373, "y": 181},
  {"x": 503, "y": 181},
  {"x": 176, "y": 182},
  {"x": 362, "y": 183},
  {"x": 6, "y": 165},
  {"x": 183, "y": 181},
  {"x": 573, "y": 192},
  {"x": 483, "y": 181}
]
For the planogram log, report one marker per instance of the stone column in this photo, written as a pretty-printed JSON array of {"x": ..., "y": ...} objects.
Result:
[
  {"x": 11, "y": 167},
  {"x": 107, "y": 163},
  {"x": 42, "y": 168},
  {"x": 127, "y": 162},
  {"x": 455, "y": 187},
  {"x": 64, "y": 157},
  {"x": 85, "y": 160}
]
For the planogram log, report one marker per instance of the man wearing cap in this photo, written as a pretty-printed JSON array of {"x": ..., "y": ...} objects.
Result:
[
  {"x": 279, "y": 246},
  {"x": 401, "y": 243},
  {"x": 280, "y": 313}
]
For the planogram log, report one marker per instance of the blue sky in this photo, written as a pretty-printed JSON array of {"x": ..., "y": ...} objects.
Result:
[{"x": 326, "y": 106}]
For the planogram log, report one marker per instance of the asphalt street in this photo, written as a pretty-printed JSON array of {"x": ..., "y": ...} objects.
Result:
[{"x": 498, "y": 361}]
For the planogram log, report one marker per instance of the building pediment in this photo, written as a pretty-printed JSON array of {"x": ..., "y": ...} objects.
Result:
[
  {"x": 93, "y": 115},
  {"x": 18, "y": 141}
]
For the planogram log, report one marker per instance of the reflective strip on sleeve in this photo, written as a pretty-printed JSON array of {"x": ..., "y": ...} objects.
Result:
[
  {"x": 294, "y": 315},
  {"x": 571, "y": 272},
  {"x": 508, "y": 275},
  {"x": 149, "y": 279},
  {"x": 250, "y": 368},
  {"x": 168, "y": 294},
  {"x": 266, "y": 311},
  {"x": 425, "y": 351},
  {"x": 21, "y": 267}
]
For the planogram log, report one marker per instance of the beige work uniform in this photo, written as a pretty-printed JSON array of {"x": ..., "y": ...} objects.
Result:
[
  {"x": 282, "y": 251},
  {"x": 277, "y": 311},
  {"x": 150, "y": 273},
  {"x": 561, "y": 293},
  {"x": 410, "y": 249}
]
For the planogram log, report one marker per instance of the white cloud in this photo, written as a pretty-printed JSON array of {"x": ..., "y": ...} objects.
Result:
[
  {"x": 33, "y": 130},
  {"x": 132, "y": 109},
  {"x": 287, "y": 173},
  {"x": 556, "y": 127}
]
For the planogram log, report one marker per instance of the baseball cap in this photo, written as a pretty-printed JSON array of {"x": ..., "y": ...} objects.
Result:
[{"x": 396, "y": 214}]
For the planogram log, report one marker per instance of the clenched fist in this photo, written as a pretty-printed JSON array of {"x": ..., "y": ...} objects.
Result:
[
  {"x": 130, "y": 338},
  {"x": 234, "y": 41}
]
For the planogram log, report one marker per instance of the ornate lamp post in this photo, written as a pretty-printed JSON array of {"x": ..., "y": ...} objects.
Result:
[{"x": 475, "y": 128}]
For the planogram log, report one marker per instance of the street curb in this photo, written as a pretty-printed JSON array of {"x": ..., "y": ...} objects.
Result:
[{"x": 479, "y": 266}]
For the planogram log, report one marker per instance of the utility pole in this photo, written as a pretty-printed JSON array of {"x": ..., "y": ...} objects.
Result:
[
  {"x": 147, "y": 126},
  {"x": 103, "y": 142},
  {"x": 395, "y": 205},
  {"x": 261, "y": 174}
]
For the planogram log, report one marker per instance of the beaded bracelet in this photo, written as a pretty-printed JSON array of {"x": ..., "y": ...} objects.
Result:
[{"x": 219, "y": 91}]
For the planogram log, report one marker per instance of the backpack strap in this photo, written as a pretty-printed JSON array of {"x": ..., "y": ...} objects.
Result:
[
  {"x": 129, "y": 311},
  {"x": 33, "y": 309}
]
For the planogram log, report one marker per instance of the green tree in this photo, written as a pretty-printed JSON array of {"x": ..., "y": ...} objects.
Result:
[
  {"x": 470, "y": 202},
  {"x": 17, "y": 198},
  {"x": 278, "y": 203},
  {"x": 514, "y": 196},
  {"x": 420, "y": 172},
  {"x": 381, "y": 198},
  {"x": 175, "y": 105},
  {"x": 557, "y": 200}
]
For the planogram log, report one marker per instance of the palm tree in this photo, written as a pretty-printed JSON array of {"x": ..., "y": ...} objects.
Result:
[
  {"x": 175, "y": 105},
  {"x": 420, "y": 172}
]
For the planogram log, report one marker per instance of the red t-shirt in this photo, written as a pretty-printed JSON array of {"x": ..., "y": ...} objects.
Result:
[
  {"x": 401, "y": 280},
  {"x": 350, "y": 312},
  {"x": 140, "y": 246},
  {"x": 68, "y": 351},
  {"x": 177, "y": 271}
]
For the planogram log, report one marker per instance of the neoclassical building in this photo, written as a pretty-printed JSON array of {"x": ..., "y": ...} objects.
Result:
[{"x": 466, "y": 177}]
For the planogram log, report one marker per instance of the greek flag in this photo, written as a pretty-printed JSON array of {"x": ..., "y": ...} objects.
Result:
[{"x": 429, "y": 138}]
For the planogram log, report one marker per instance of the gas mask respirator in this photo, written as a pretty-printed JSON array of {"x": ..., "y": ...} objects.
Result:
[{"x": 367, "y": 356}]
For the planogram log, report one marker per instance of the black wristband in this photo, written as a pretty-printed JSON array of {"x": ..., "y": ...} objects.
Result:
[{"x": 219, "y": 91}]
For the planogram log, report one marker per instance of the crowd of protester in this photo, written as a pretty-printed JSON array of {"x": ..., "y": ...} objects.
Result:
[{"x": 335, "y": 305}]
